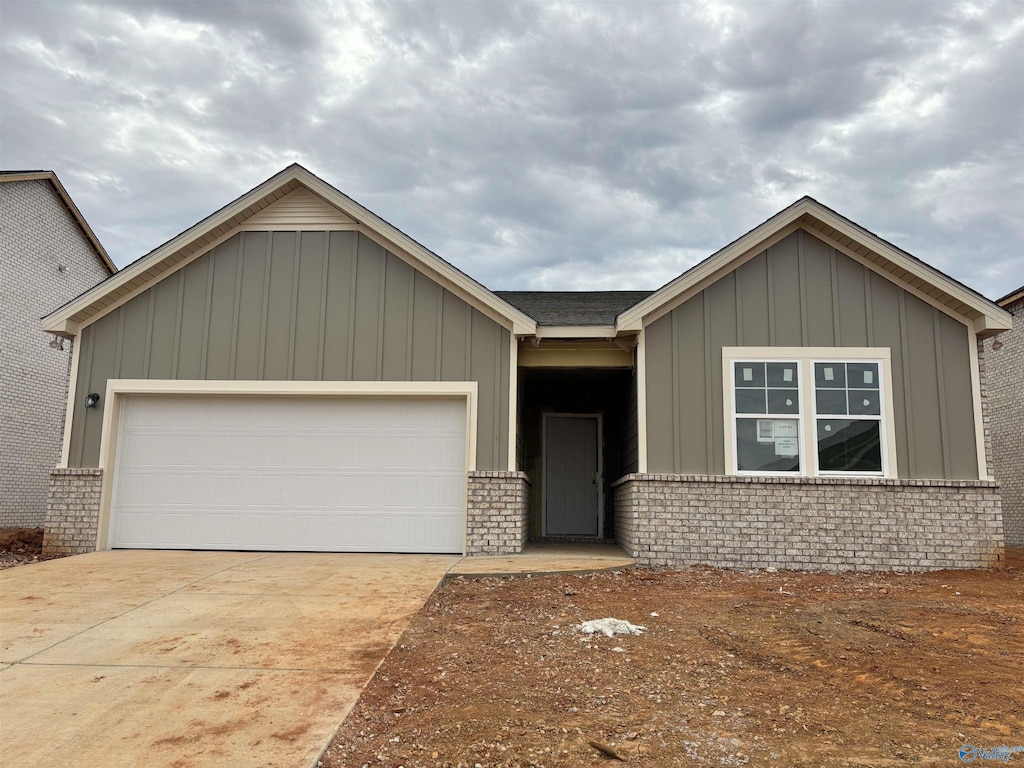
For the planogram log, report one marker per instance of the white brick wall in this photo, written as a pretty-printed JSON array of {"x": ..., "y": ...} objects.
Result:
[
  {"x": 1004, "y": 378},
  {"x": 37, "y": 234},
  {"x": 809, "y": 523},
  {"x": 497, "y": 514}
]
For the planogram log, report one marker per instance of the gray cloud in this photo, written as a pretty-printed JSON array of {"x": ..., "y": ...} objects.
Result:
[{"x": 538, "y": 145}]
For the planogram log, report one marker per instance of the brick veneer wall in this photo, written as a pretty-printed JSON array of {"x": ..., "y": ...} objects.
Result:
[
  {"x": 804, "y": 523},
  {"x": 37, "y": 236},
  {"x": 73, "y": 511},
  {"x": 1003, "y": 376},
  {"x": 497, "y": 516}
]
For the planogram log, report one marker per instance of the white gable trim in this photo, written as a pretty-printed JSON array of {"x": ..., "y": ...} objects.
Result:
[
  {"x": 988, "y": 317},
  {"x": 115, "y": 291}
]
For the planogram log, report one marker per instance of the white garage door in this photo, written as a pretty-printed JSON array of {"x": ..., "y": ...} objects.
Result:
[{"x": 341, "y": 474}]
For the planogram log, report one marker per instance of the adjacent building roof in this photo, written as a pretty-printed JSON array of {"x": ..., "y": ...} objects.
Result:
[
  {"x": 573, "y": 307},
  {"x": 50, "y": 176},
  {"x": 1011, "y": 298}
]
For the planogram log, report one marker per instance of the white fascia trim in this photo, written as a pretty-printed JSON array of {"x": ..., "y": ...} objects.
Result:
[
  {"x": 69, "y": 411},
  {"x": 979, "y": 416},
  {"x": 995, "y": 318},
  {"x": 57, "y": 321},
  {"x": 575, "y": 332},
  {"x": 118, "y": 388}
]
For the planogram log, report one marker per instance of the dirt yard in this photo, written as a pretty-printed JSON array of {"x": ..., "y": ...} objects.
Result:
[
  {"x": 20, "y": 546},
  {"x": 786, "y": 669}
]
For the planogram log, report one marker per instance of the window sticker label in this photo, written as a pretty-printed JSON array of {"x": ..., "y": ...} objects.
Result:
[
  {"x": 748, "y": 374},
  {"x": 787, "y": 374},
  {"x": 869, "y": 378},
  {"x": 830, "y": 375},
  {"x": 765, "y": 431},
  {"x": 785, "y": 428},
  {"x": 787, "y": 446}
]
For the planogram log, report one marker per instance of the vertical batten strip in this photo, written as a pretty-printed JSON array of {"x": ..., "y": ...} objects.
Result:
[
  {"x": 265, "y": 317},
  {"x": 410, "y": 325},
  {"x": 908, "y": 400},
  {"x": 439, "y": 339},
  {"x": 321, "y": 331},
  {"x": 868, "y": 319},
  {"x": 770, "y": 274},
  {"x": 178, "y": 319},
  {"x": 801, "y": 271},
  {"x": 296, "y": 269},
  {"x": 148, "y": 356},
  {"x": 834, "y": 277},
  {"x": 941, "y": 381},
  {"x": 207, "y": 312},
  {"x": 677, "y": 440},
  {"x": 381, "y": 299},
  {"x": 237, "y": 308},
  {"x": 352, "y": 294},
  {"x": 709, "y": 426},
  {"x": 119, "y": 344}
]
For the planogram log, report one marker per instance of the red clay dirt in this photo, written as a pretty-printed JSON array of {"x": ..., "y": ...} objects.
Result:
[
  {"x": 20, "y": 546},
  {"x": 787, "y": 669}
]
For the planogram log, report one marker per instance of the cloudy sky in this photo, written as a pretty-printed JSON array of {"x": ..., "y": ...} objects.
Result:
[{"x": 538, "y": 145}]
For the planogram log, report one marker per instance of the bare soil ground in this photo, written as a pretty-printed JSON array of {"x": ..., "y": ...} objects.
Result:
[
  {"x": 20, "y": 546},
  {"x": 787, "y": 669}
]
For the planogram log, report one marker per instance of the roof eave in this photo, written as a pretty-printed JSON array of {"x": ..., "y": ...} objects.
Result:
[
  {"x": 990, "y": 317},
  {"x": 61, "y": 321}
]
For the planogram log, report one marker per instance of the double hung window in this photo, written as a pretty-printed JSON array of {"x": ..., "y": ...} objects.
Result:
[{"x": 811, "y": 412}]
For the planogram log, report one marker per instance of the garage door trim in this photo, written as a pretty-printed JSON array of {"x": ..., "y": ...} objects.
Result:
[{"x": 117, "y": 389}]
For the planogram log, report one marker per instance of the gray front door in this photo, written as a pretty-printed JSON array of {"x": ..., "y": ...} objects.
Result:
[{"x": 572, "y": 481}]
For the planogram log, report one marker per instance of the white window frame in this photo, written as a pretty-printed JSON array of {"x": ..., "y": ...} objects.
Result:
[
  {"x": 805, "y": 358},
  {"x": 798, "y": 416}
]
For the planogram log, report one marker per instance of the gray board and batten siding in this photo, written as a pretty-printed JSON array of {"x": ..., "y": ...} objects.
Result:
[
  {"x": 802, "y": 292},
  {"x": 298, "y": 306}
]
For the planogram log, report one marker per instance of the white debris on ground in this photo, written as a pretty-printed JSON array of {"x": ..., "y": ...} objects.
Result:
[{"x": 610, "y": 627}]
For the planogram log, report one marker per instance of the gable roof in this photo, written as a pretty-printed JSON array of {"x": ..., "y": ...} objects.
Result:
[
  {"x": 877, "y": 254},
  {"x": 553, "y": 308},
  {"x": 50, "y": 176},
  {"x": 314, "y": 195}
]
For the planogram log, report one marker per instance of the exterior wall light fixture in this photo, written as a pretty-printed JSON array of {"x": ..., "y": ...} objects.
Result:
[{"x": 91, "y": 400}]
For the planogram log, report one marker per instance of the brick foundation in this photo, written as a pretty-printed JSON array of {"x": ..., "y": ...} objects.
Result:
[
  {"x": 497, "y": 513},
  {"x": 72, "y": 512},
  {"x": 809, "y": 523}
]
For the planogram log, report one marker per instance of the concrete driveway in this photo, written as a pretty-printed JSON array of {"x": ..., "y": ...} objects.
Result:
[{"x": 180, "y": 659}]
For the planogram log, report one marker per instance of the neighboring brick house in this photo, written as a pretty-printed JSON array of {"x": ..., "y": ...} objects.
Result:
[
  {"x": 48, "y": 255},
  {"x": 1004, "y": 373}
]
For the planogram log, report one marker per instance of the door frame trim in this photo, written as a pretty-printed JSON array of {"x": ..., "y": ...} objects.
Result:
[
  {"x": 119, "y": 388},
  {"x": 544, "y": 467}
]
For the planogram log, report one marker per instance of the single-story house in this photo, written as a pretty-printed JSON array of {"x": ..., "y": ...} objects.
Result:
[
  {"x": 294, "y": 373},
  {"x": 1004, "y": 376},
  {"x": 48, "y": 255}
]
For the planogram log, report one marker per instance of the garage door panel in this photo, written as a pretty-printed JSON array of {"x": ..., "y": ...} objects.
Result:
[{"x": 342, "y": 474}]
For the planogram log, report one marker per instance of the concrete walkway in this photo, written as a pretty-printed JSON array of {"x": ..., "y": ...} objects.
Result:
[
  {"x": 182, "y": 659},
  {"x": 546, "y": 558}
]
